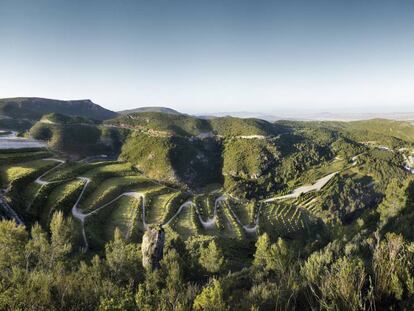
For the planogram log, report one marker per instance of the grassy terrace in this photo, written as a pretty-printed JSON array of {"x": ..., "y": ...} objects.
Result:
[
  {"x": 10, "y": 173},
  {"x": 156, "y": 208},
  {"x": 111, "y": 188},
  {"x": 125, "y": 214},
  {"x": 108, "y": 181},
  {"x": 15, "y": 156},
  {"x": 284, "y": 219},
  {"x": 61, "y": 198},
  {"x": 185, "y": 224}
]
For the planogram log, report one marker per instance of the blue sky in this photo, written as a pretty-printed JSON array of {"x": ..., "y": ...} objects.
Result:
[{"x": 208, "y": 56}]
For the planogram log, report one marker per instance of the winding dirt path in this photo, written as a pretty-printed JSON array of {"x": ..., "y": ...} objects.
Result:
[
  {"x": 39, "y": 180},
  {"x": 210, "y": 222},
  {"x": 317, "y": 186},
  {"x": 81, "y": 216},
  {"x": 207, "y": 224}
]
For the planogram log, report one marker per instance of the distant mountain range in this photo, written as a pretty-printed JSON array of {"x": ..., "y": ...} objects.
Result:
[
  {"x": 315, "y": 116},
  {"x": 33, "y": 108}
]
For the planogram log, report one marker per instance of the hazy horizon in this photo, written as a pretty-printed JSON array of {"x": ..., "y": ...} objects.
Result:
[{"x": 216, "y": 56}]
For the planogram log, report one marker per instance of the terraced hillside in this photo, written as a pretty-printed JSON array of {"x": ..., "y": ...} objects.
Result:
[
  {"x": 240, "y": 179},
  {"x": 102, "y": 196},
  {"x": 255, "y": 213}
]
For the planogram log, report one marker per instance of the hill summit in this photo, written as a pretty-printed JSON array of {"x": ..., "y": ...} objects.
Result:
[
  {"x": 150, "y": 109},
  {"x": 33, "y": 108}
]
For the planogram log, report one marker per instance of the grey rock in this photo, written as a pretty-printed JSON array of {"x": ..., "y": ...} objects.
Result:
[{"x": 152, "y": 247}]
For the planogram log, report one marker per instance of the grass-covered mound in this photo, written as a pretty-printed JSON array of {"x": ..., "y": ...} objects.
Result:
[{"x": 76, "y": 135}]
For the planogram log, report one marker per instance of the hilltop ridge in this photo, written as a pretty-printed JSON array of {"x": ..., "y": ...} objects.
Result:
[
  {"x": 33, "y": 108},
  {"x": 150, "y": 109}
]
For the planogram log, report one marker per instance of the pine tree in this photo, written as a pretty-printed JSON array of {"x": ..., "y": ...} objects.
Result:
[
  {"x": 211, "y": 298},
  {"x": 211, "y": 258},
  {"x": 262, "y": 251}
]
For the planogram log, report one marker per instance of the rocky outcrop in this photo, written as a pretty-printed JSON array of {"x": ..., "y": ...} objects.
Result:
[{"x": 152, "y": 247}]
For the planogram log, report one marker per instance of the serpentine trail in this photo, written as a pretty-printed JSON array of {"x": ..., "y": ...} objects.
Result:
[
  {"x": 39, "y": 180},
  {"x": 81, "y": 216},
  {"x": 207, "y": 224}
]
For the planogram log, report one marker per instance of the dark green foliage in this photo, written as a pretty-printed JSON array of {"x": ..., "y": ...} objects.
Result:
[
  {"x": 230, "y": 127},
  {"x": 158, "y": 123},
  {"x": 383, "y": 166},
  {"x": 280, "y": 275},
  {"x": 248, "y": 159},
  {"x": 81, "y": 139},
  {"x": 175, "y": 159},
  {"x": 15, "y": 124},
  {"x": 398, "y": 210},
  {"x": 348, "y": 197},
  {"x": 150, "y": 155},
  {"x": 347, "y": 148}
]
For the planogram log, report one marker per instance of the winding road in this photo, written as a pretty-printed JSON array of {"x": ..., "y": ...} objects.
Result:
[
  {"x": 81, "y": 216},
  {"x": 317, "y": 186},
  {"x": 207, "y": 224}
]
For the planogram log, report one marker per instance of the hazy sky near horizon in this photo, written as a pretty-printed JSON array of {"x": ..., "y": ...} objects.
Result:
[{"x": 208, "y": 56}]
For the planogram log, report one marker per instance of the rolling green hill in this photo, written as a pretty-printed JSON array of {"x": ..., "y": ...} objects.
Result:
[
  {"x": 78, "y": 136},
  {"x": 185, "y": 125},
  {"x": 380, "y": 131}
]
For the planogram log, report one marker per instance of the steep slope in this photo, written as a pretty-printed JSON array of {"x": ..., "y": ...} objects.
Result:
[
  {"x": 192, "y": 151},
  {"x": 33, "y": 108},
  {"x": 174, "y": 159},
  {"x": 249, "y": 157}
]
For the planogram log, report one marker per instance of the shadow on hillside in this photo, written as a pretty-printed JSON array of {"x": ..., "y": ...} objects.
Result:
[{"x": 197, "y": 163}]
